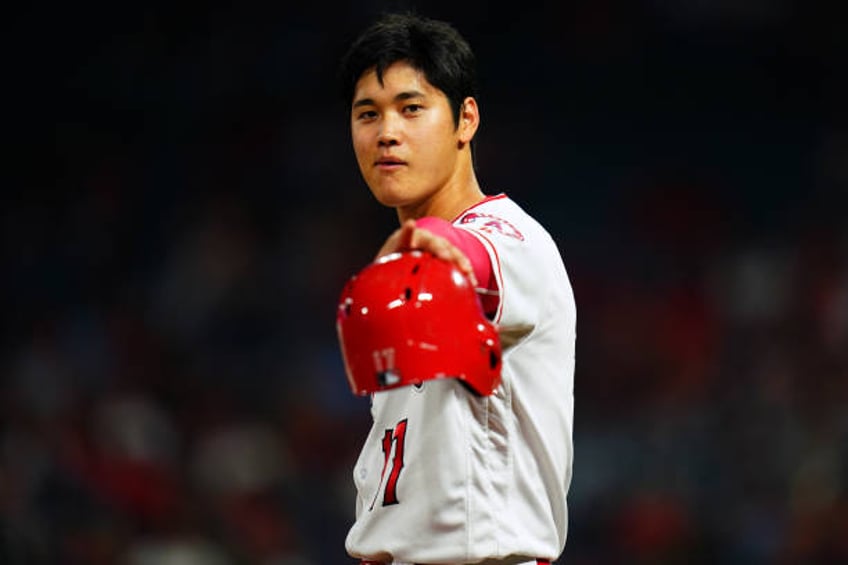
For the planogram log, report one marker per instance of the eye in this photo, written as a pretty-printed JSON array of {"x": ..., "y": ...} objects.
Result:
[
  {"x": 366, "y": 115},
  {"x": 413, "y": 108}
]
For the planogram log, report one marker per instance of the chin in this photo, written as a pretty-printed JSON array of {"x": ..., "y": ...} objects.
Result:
[{"x": 391, "y": 198}]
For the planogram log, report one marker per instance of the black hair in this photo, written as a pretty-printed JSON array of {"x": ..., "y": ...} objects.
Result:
[{"x": 434, "y": 47}]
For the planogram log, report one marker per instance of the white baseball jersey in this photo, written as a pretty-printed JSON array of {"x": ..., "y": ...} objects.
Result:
[{"x": 449, "y": 477}]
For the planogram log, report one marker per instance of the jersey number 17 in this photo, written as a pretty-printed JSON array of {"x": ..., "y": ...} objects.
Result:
[{"x": 392, "y": 438}]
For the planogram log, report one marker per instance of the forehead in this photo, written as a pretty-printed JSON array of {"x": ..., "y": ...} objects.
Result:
[{"x": 397, "y": 78}]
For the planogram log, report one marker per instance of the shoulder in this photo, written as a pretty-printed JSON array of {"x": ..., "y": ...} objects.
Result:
[
  {"x": 495, "y": 215},
  {"x": 501, "y": 218}
]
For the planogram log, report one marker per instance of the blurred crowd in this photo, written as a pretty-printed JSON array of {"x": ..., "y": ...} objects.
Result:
[{"x": 172, "y": 391}]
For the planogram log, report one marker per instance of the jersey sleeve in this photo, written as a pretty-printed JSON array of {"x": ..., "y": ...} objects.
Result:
[{"x": 522, "y": 256}]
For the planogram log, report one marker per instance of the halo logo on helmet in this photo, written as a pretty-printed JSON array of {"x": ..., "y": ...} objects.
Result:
[{"x": 411, "y": 317}]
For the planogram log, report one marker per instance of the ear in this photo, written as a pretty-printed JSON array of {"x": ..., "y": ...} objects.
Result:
[{"x": 469, "y": 120}]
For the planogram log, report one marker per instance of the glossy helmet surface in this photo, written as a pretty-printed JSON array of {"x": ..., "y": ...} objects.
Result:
[{"x": 411, "y": 317}]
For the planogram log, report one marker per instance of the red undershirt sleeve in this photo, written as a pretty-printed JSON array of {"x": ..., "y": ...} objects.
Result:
[{"x": 473, "y": 249}]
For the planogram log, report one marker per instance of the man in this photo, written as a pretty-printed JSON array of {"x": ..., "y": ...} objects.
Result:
[{"x": 474, "y": 479}]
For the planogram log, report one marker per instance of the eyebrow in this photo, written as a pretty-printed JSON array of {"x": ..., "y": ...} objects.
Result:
[{"x": 406, "y": 95}]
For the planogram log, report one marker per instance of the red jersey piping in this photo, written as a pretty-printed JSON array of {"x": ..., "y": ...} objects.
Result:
[{"x": 486, "y": 199}]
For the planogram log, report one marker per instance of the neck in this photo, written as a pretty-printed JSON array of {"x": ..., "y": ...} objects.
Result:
[{"x": 446, "y": 203}]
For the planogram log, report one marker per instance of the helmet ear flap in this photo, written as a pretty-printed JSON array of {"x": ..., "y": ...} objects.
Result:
[{"x": 487, "y": 380}]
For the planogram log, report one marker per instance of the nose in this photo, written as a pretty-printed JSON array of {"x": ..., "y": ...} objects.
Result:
[
  {"x": 388, "y": 135},
  {"x": 387, "y": 139}
]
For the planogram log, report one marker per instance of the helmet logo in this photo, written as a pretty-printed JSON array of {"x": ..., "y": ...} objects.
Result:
[
  {"x": 388, "y": 378},
  {"x": 384, "y": 366}
]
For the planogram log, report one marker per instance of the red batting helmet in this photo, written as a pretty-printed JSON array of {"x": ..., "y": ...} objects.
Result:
[{"x": 411, "y": 317}]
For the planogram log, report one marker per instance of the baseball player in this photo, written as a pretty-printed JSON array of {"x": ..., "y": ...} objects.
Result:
[{"x": 447, "y": 475}]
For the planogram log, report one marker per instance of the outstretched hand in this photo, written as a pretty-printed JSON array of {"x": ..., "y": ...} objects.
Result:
[{"x": 408, "y": 236}]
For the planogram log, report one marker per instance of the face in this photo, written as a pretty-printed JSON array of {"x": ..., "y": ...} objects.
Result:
[{"x": 404, "y": 137}]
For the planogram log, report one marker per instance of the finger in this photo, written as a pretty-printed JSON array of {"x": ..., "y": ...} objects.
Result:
[
  {"x": 399, "y": 240},
  {"x": 444, "y": 249},
  {"x": 407, "y": 235},
  {"x": 466, "y": 267},
  {"x": 437, "y": 245},
  {"x": 389, "y": 245}
]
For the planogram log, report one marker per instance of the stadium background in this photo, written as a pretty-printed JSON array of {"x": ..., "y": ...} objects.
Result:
[{"x": 183, "y": 208}]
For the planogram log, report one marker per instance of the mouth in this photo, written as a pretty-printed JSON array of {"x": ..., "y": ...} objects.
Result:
[{"x": 389, "y": 163}]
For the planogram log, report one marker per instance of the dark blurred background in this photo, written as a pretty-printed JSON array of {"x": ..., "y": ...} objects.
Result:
[{"x": 183, "y": 207}]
